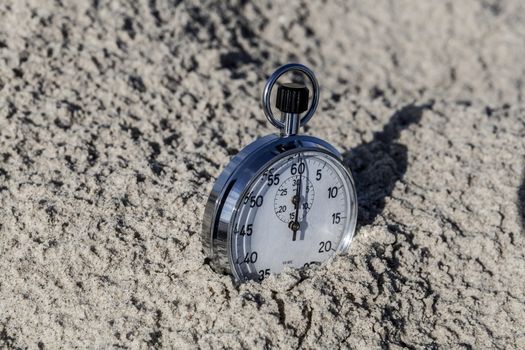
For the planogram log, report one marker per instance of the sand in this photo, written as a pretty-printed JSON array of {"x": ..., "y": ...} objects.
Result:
[{"x": 116, "y": 118}]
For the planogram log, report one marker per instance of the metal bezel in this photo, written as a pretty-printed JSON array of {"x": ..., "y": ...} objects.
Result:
[{"x": 237, "y": 177}]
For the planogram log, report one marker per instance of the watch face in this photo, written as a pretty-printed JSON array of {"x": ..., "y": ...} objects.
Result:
[{"x": 300, "y": 209}]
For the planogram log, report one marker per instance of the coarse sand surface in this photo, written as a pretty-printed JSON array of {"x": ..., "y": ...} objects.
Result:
[{"x": 116, "y": 118}]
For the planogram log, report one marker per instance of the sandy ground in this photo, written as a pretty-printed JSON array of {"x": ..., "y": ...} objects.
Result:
[{"x": 116, "y": 118}]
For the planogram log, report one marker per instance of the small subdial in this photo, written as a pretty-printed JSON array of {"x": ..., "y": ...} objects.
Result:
[{"x": 295, "y": 191}]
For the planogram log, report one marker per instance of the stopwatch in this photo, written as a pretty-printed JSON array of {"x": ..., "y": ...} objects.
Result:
[{"x": 285, "y": 200}]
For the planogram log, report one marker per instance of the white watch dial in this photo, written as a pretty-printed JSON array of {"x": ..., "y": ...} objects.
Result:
[{"x": 299, "y": 210}]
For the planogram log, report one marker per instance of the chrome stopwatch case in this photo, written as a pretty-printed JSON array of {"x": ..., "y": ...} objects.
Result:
[{"x": 285, "y": 200}]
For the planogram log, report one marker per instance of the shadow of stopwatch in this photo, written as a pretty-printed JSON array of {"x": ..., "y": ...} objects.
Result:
[
  {"x": 521, "y": 200},
  {"x": 304, "y": 227},
  {"x": 379, "y": 164}
]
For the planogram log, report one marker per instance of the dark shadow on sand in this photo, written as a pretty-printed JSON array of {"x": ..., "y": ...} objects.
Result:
[
  {"x": 379, "y": 164},
  {"x": 521, "y": 200}
]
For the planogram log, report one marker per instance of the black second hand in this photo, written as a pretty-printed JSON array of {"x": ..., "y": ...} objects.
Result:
[{"x": 296, "y": 225}]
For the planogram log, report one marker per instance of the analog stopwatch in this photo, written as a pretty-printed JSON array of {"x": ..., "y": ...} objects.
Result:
[{"x": 286, "y": 200}]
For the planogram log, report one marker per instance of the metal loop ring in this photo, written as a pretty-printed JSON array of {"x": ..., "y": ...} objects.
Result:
[{"x": 271, "y": 82}]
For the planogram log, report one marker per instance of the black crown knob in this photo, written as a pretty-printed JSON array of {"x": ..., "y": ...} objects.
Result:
[{"x": 292, "y": 98}]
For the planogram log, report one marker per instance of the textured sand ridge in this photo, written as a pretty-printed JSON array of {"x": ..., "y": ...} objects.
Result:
[{"x": 116, "y": 118}]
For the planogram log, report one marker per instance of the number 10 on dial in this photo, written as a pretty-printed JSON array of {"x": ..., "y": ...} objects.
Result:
[{"x": 285, "y": 200}]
